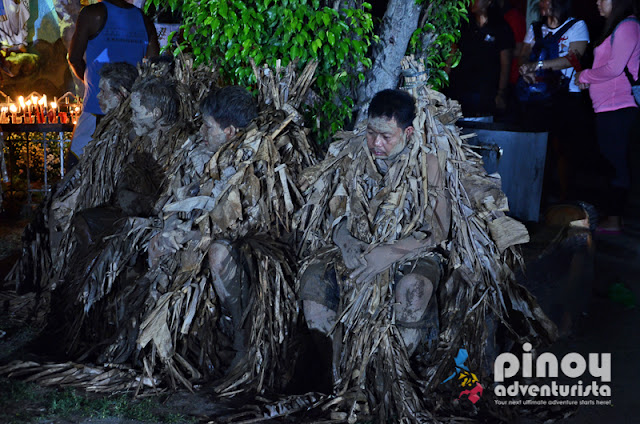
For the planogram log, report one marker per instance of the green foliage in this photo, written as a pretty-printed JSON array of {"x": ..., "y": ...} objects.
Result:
[
  {"x": 20, "y": 403},
  {"x": 229, "y": 32},
  {"x": 71, "y": 402},
  {"x": 442, "y": 30}
]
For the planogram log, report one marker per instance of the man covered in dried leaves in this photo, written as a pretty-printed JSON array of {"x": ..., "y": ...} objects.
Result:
[
  {"x": 96, "y": 230},
  {"x": 415, "y": 267},
  {"x": 225, "y": 112},
  {"x": 154, "y": 109}
]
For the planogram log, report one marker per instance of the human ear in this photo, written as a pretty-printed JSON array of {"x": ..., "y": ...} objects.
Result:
[
  {"x": 157, "y": 113},
  {"x": 230, "y": 131},
  {"x": 123, "y": 93},
  {"x": 408, "y": 131}
]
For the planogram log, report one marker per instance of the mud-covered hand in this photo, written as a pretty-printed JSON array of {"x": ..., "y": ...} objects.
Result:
[
  {"x": 376, "y": 261},
  {"x": 385, "y": 255},
  {"x": 351, "y": 248},
  {"x": 165, "y": 243}
]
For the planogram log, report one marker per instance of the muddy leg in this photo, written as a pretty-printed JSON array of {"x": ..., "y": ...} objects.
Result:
[
  {"x": 413, "y": 293},
  {"x": 228, "y": 284}
]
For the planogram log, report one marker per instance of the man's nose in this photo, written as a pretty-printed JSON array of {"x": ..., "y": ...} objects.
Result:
[{"x": 378, "y": 141}]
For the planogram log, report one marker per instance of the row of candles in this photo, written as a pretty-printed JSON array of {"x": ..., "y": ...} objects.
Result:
[{"x": 36, "y": 110}]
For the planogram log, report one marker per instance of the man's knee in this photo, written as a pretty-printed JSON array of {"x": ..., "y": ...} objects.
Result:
[
  {"x": 414, "y": 289},
  {"x": 224, "y": 269},
  {"x": 320, "y": 296}
]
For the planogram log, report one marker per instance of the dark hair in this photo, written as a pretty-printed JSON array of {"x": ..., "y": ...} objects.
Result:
[
  {"x": 396, "y": 104},
  {"x": 561, "y": 10},
  {"x": 119, "y": 74},
  {"x": 159, "y": 92},
  {"x": 232, "y": 105},
  {"x": 620, "y": 9}
]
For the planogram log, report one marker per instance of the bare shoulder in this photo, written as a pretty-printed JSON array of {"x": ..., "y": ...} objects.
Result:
[{"x": 93, "y": 13}]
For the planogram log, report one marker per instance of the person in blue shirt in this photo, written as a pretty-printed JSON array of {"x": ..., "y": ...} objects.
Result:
[{"x": 106, "y": 32}]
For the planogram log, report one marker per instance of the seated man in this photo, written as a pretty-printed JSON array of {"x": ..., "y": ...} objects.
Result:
[
  {"x": 414, "y": 271},
  {"x": 154, "y": 104},
  {"x": 116, "y": 81},
  {"x": 224, "y": 112}
]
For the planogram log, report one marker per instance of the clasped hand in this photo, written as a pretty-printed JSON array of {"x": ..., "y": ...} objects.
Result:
[
  {"x": 528, "y": 72},
  {"x": 365, "y": 266}
]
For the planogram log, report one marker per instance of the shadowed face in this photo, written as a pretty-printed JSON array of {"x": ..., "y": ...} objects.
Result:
[
  {"x": 143, "y": 119},
  {"x": 480, "y": 6},
  {"x": 604, "y": 7},
  {"x": 545, "y": 8},
  {"x": 108, "y": 99},
  {"x": 213, "y": 133},
  {"x": 385, "y": 138}
]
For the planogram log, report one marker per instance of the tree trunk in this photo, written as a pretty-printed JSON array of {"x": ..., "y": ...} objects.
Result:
[{"x": 398, "y": 24}]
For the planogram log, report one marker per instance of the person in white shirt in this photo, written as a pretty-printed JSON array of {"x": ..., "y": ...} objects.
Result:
[{"x": 567, "y": 105}]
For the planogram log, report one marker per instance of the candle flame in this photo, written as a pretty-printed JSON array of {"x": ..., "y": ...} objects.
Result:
[
  {"x": 34, "y": 100},
  {"x": 77, "y": 109},
  {"x": 53, "y": 105},
  {"x": 13, "y": 108},
  {"x": 28, "y": 103},
  {"x": 42, "y": 101},
  {"x": 21, "y": 101}
]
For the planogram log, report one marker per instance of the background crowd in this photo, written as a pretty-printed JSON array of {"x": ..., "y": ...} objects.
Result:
[{"x": 561, "y": 76}]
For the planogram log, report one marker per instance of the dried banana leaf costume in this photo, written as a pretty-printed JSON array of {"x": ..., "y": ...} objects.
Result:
[
  {"x": 46, "y": 241},
  {"x": 372, "y": 371},
  {"x": 90, "y": 282},
  {"x": 247, "y": 197}
]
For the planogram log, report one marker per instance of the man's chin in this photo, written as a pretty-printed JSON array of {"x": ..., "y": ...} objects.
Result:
[{"x": 378, "y": 155}]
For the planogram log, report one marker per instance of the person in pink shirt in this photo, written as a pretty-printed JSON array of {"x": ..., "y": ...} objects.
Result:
[{"x": 610, "y": 91}]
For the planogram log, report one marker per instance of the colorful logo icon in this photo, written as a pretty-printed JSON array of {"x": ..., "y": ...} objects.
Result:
[{"x": 468, "y": 381}]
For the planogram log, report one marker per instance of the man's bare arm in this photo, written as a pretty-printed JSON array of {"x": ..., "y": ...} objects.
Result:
[
  {"x": 90, "y": 21},
  {"x": 153, "y": 48},
  {"x": 385, "y": 255}
]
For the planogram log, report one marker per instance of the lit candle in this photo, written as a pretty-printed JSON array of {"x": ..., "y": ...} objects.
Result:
[
  {"x": 42, "y": 111},
  {"x": 52, "y": 115},
  {"x": 4, "y": 115},
  {"x": 28, "y": 112},
  {"x": 14, "y": 114}
]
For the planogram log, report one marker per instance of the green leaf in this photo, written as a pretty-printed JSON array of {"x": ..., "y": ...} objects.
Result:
[
  {"x": 223, "y": 9},
  {"x": 316, "y": 45},
  {"x": 326, "y": 19},
  {"x": 331, "y": 38}
]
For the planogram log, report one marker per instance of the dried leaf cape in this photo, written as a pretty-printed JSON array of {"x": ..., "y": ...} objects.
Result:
[
  {"x": 247, "y": 196},
  {"x": 478, "y": 291}
]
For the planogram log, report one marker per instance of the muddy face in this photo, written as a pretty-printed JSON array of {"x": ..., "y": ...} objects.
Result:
[
  {"x": 385, "y": 138},
  {"x": 108, "y": 99},
  {"x": 212, "y": 132},
  {"x": 143, "y": 120}
]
